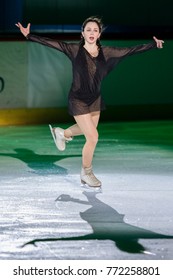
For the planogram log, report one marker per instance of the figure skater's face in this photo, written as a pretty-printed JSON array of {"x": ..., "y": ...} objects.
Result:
[{"x": 91, "y": 32}]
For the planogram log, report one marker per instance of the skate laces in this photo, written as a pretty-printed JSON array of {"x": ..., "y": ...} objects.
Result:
[{"x": 90, "y": 175}]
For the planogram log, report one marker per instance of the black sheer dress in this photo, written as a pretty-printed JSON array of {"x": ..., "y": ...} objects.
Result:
[{"x": 88, "y": 71}]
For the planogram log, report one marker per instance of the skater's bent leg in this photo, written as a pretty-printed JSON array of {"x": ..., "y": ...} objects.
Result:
[
  {"x": 72, "y": 131},
  {"x": 75, "y": 130}
]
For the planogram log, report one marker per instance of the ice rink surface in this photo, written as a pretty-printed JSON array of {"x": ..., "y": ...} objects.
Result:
[{"x": 45, "y": 213}]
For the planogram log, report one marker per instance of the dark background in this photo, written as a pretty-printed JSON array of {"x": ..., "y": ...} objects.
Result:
[{"x": 122, "y": 18}]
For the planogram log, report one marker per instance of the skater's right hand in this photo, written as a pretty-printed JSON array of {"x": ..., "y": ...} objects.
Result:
[{"x": 25, "y": 31}]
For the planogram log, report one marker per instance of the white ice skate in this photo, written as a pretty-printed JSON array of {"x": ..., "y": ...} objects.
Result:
[
  {"x": 89, "y": 180},
  {"x": 59, "y": 138}
]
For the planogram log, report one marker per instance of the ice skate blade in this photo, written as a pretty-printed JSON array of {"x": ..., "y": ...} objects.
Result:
[
  {"x": 94, "y": 189},
  {"x": 53, "y": 135}
]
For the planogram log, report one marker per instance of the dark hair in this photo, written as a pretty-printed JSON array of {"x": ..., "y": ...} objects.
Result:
[
  {"x": 93, "y": 19},
  {"x": 100, "y": 26}
]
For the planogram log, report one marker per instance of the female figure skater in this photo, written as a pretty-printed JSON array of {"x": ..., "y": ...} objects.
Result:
[{"x": 91, "y": 62}]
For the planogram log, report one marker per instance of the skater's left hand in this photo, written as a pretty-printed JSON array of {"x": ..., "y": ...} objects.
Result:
[{"x": 159, "y": 43}]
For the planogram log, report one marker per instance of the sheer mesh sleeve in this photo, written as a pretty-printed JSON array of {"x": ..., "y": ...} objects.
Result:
[
  {"x": 114, "y": 55},
  {"x": 64, "y": 47},
  {"x": 119, "y": 52}
]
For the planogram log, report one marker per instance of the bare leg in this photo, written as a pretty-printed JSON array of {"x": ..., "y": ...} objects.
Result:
[
  {"x": 73, "y": 130},
  {"x": 88, "y": 126}
]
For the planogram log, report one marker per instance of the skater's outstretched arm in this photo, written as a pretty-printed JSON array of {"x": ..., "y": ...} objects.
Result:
[{"x": 66, "y": 48}]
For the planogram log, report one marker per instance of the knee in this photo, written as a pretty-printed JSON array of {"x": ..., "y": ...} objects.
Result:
[{"x": 93, "y": 138}]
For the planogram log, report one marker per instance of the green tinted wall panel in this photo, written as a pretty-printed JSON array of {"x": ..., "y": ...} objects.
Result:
[{"x": 141, "y": 79}]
